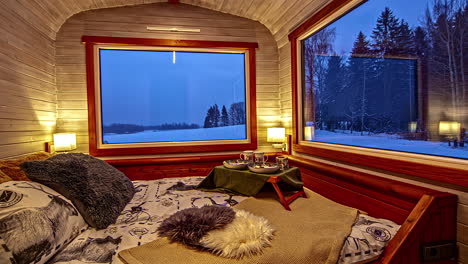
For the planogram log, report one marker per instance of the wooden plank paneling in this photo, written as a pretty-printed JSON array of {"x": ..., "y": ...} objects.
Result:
[
  {"x": 131, "y": 22},
  {"x": 27, "y": 78},
  {"x": 462, "y": 253}
]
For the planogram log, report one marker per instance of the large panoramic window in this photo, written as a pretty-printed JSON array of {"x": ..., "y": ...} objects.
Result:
[
  {"x": 165, "y": 97},
  {"x": 390, "y": 74}
]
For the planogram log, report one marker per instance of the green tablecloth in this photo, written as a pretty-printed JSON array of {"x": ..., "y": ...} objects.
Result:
[{"x": 245, "y": 182}]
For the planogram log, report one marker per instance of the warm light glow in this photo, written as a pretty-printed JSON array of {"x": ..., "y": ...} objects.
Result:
[
  {"x": 412, "y": 127},
  {"x": 64, "y": 141},
  {"x": 308, "y": 133},
  {"x": 173, "y": 29},
  {"x": 276, "y": 134},
  {"x": 449, "y": 128}
]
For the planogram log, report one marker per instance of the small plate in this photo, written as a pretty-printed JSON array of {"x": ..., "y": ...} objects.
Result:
[
  {"x": 267, "y": 167},
  {"x": 236, "y": 164}
]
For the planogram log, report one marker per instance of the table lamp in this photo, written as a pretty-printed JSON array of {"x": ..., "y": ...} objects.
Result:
[
  {"x": 451, "y": 129},
  {"x": 64, "y": 141},
  {"x": 276, "y": 135}
]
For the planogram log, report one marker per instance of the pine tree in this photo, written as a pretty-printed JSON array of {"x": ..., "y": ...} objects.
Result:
[
  {"x": 209, "y": 118},
  {"x": 385, "y": 33},
  {"x": 333, "y": 86},
  {"x": 358, "y": 87},
  {"x": 216, "y": 116},
  {"x": 385, "y": 46},
  {"x": 224, "y": 117},
  {"x": 361, "y": 46}
]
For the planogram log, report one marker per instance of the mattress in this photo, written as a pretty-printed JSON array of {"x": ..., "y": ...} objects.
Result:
[{"x": 156, "y": 200}]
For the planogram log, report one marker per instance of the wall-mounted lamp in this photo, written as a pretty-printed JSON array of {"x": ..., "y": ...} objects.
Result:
[
  {"x": 64, "y": 141},
  {"x": 276, "y": 135}
]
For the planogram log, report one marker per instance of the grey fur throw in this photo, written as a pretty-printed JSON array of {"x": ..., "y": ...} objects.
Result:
[
  {"x": 99, "y": 191},
  {"x": 190, "y": 225}
]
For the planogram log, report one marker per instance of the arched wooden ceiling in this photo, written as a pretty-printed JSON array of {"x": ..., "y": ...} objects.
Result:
[{"x": 279, "y": 16}]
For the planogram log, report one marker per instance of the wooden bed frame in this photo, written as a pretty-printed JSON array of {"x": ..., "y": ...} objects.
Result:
[{"x": 426, "y": 216}]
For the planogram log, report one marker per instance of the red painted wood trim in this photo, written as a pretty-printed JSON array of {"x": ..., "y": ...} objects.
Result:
[
  {"x": 295, "y": 102},
  {"x": 368, "y": 181},
  {"x": 171, "y": 150},
  {"x": 176, "y": 160},
  {"x": 168, "y": 42},
  {"x": 253, "y": 97},
  {"x": 91, "y": 97},
  {"x": 90, "y": 41},
  {"x": 428, "y": 171},
  {"x": 432, "y": 219},
  {"x": 171, "y": 160},
  {"x": 321, "y": 15}
]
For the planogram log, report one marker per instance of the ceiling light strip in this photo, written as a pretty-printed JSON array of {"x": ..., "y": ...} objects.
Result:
[{"x": 173, "y": 29}]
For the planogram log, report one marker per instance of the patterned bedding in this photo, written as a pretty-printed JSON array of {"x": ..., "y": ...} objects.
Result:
[
  {"x": 137, "y": 224},
  {"x": 153, "y": 202}
]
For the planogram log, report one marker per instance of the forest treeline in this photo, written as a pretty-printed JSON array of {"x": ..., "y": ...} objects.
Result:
[
  {"x": 132, "y": 128},
  {"x": 216, "y": 118},
  {"x": 375, "y": 88}
]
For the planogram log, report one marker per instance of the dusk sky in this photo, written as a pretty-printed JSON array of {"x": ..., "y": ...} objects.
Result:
[
  {"x": 365, "y": 17},
  {"x": 147, "y": 88}
]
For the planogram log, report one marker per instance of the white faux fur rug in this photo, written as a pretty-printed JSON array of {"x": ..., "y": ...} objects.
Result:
[{"x": 247, "y": 235}]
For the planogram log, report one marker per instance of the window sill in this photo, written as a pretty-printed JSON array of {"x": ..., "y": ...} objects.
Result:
[{"x": 448, "y": 170}]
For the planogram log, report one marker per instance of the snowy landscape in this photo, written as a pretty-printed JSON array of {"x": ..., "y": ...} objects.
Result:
[
  {"x": 391, "y": 142},
  {"x": 215, "y": 133}
]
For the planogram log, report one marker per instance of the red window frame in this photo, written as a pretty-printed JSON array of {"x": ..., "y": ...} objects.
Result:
[
  {"x": 442, "y": 169},
  {"x": 95, "y": 150}
]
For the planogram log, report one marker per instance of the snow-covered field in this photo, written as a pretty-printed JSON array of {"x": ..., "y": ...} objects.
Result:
[
  {"x": 216, "y": 133},
  {"x": 391, "y": 142}
]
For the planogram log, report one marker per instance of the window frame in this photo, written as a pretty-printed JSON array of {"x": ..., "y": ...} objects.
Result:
[
  {"x": 438, "y": 168},
  {"x": 96, "y": 148}
]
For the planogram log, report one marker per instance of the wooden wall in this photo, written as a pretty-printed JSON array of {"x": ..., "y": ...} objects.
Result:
[
  {"x": 27, "y": 80},
  {"x": 132, "y": 22}
]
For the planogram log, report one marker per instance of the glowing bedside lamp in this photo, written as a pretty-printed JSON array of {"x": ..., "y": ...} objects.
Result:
[
  {"x": 277, "y": 135},
  {"x": 64, "y": 141}
]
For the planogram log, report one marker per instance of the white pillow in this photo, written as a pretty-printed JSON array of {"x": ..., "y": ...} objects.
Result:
[
  {"x": 35, "y": 222},
  {"x": 369, "y": 237}
]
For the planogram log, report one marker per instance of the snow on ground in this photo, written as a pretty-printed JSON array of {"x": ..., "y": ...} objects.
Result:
[
  {"x": 391, "y": 142},
  {"x": 216, "y": 133}
]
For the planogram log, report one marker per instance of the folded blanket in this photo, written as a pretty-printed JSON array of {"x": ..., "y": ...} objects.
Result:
[{"x": 313, "y": 232}]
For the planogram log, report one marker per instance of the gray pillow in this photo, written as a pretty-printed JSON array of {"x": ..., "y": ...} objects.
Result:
[
  {"x": 99, "y": 191},
  {"x": 190, "y": 225}
]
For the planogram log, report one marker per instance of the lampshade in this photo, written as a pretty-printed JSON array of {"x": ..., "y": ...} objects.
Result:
[
  {"x": 449, "y": 128},
  {"x": 276, "y": 134},
  {"x": 412, "y": 126},
  {"x": 64, "y": 141},
  {"x": 308, "y": 133}
]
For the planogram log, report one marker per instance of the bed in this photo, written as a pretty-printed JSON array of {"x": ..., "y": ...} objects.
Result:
[{"x": 156, "y": 200}]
